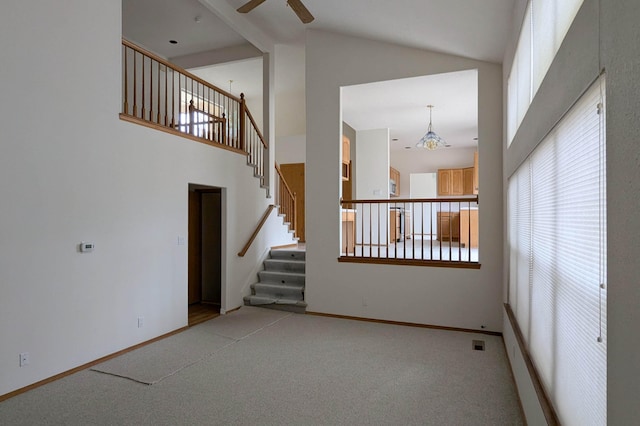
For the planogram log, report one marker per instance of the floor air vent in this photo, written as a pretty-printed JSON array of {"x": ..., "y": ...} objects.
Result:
[{"x": 478, "y": 345}]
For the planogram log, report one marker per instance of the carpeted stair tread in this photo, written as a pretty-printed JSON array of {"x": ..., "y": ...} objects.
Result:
[
  {"x": 281, "y": 283},
  {"x": 288, "y": 254}
]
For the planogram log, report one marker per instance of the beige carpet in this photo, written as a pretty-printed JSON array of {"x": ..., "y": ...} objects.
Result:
[
  {"x": 257, "y": 366},
  {"x": 155, "y": 362}
]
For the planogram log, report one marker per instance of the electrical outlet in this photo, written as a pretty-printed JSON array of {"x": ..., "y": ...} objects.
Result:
[
  {"x": 24, "y": 359},
  {"x": 140, "y": 322}
]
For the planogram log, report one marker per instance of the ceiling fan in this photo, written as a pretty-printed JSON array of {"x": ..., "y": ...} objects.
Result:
[{"x": 297, "y": 6}]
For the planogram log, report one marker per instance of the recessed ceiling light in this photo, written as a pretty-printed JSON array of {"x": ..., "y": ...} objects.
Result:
[
  {"x": 407, "y": 147},
  {"x": 173, "y": 42},
  {"x": 394, "y": 139},
  {"x": 475, "y": 139}
]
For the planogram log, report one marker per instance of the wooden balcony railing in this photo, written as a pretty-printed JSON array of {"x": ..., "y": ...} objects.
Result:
[
  {"x": 162, "y": 95},
  {"x": 427, "y": 232},
  {"x": 286, "y": 200}
]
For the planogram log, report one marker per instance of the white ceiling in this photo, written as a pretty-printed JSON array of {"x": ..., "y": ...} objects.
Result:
[
  {"x": 476, "y": 29},
  {"x": 401, "y": 106},
  {"x": 152, "y": 23},
  {"x": 472, "y": 28}
]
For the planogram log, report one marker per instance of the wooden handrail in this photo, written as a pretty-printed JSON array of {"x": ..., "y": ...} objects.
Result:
[
  {"x": 255, "y": 126},
  {"x": 414, "y": 200},
  {"x": 177, "y": 68},
  {"x": 257, "y": 230},
  {"x": 160, "y": 99},
  {"x": 413, "y": 231}
]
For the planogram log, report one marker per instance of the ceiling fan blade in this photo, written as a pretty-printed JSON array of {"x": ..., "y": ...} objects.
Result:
[
  {"x": 300, "y": 10},
  {"x": 250, "y": 5}
]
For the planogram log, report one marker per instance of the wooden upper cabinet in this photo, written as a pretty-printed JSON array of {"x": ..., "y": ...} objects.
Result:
[
  {"x": 346, "y": 158},
  {"x": 394, "y": 175},
  {"x": 450, "y": 182},
  {"x": 444, "y": 182},
  {"x": 468, "y": 180},
  {"x": 346, "y": 149},
  {"x": 453, "y": 182},
  {"x": 457, "y": 182}
]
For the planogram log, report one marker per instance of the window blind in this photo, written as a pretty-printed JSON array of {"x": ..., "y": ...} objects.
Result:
[{"x": 557, "y": 217}]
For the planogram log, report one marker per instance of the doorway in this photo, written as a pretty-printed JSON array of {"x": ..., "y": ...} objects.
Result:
[
  {"x": 205, "y": 253},
  {"x": 294, "y": 176}
]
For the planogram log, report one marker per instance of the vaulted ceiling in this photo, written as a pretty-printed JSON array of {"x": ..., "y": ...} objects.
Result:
[{"x": 475, "y": 29}]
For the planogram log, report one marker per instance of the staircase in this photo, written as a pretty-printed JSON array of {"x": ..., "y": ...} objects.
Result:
[{"x": 281, "y": 283}]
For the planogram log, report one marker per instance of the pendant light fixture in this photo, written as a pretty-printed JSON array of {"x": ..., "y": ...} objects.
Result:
[{"x": 430, "y": 140}]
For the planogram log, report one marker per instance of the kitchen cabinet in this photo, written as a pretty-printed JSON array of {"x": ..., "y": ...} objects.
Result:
[
  {"x": 457, "y": 182},
  {"x": 468, "y": 181},
  {"x": 346, "y": 158},
  {"x": 469, "y": 227},
  {"x": 450, "y": 182},
  {"x": 448, "y": 226},
  {"x": 394, "y": 175},
  {"x": 444, "y": 182},
  {"x": 453, "y": 182}
]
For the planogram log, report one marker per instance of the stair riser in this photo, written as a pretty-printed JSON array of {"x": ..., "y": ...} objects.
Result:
[
  {"x": 279, "y": 278},
  {"x": 281, "y": 293},
  {"x": 282, "y": 282},
  {"x": 278, "y": 266}
]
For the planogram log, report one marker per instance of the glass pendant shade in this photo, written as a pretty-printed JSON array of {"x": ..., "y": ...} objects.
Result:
[{"x": 430, "y": 140}]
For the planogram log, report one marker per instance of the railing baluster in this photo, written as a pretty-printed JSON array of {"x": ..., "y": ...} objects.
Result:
[
  {"x": 135, "y": 85},
  {"x": 158, "y": 96},
  {"x": 379, "y": 242},
  {"x": 125, "y": 78},
  {"x": 142, "y": 82},
  {"x": 166, "y": 96}
]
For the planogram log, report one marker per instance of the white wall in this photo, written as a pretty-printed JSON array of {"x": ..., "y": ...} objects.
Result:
[
  {"x": 439, "y": 296},
  {"x": 290, "y": 104},
  {"x": 70, "y": 170},
  {"x": 423, "y": 217},
  {"x": 372, "y": 168},
  {"x": 603, "y": 36}
]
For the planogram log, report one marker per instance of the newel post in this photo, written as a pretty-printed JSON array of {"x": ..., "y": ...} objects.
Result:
[
  {"x": 191, "y": 118},
  {"x": 243, "y": 114}
]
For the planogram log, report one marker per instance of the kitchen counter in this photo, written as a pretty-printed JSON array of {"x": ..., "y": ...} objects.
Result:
[{"x": 469, "y": 227}]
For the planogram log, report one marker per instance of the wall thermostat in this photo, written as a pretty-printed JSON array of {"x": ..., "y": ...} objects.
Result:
[{"x": 86, "y": 247}]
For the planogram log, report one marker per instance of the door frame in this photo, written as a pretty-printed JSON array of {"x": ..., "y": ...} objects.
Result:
[{"x": 222, "y": 219}]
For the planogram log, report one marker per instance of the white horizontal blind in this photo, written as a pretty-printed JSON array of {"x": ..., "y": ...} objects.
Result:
[
  {"x": 564, "y": 317},
  {"x": 520, "y": 242}
]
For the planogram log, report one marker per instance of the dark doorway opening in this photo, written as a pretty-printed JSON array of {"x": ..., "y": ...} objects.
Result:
[{"x": 205, "y": 253}]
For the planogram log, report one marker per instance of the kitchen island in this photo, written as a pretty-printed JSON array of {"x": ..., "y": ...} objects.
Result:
[
  {"x": 469, "y": 227},
  {"x": 348, "y": 218}
]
